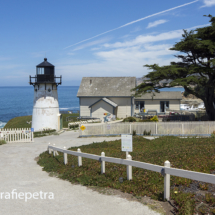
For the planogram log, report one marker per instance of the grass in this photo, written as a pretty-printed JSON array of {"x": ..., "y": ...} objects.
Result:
[
  {"x": 21, "y": 121},
  {"x": 45, "y": 133},
  {"x": 65, "y": 123},
  {"x": 2, "y": 142},
  {"x": 196, "y": 154}
]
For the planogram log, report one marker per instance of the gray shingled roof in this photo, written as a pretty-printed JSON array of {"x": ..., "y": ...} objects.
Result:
[
  {"x": 105, "y": 100},
  {"x": 106, "y": 86},
  {"x": 162, "y": 95}
]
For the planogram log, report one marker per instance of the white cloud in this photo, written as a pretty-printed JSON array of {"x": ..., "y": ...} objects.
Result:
[
  {"x": 208, "y": 3},
  {"x": 142, "y": 39},
  {"x": 156, "y": 23},
  {"x": 96, "y": 42}
]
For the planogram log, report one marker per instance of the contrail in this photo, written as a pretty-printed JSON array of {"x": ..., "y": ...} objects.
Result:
[{"x": 130, "y": 23}]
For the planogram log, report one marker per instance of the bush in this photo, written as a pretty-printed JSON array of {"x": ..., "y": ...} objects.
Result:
[
  {"x": 154, "y": 119},
  {"x": 145, "y": 120},
  {"x": 147, "y": 132},
  {"x": 74, "y": 126},
  {"x": 129, "y": 119},
  {"x": 2, "y": 142},
  {"x": 134, "y": 132}
]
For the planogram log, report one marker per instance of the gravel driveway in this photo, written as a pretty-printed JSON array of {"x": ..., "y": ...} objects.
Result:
[{"x": 26, "y": 189}]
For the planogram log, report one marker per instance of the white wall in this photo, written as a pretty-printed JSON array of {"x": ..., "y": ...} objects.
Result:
[
  {"x": 174, "y": 104},
  {"x": 100, "y": 108},
  {"x": 46, "y": 107},
  {"x": 123, "y": 109}
]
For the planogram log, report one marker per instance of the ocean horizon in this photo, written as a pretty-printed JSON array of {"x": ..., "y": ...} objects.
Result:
[{"x": 18, "y": 100}]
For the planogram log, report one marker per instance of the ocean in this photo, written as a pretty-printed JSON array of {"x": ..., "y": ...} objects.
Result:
[{"x": 18, "y": 101}]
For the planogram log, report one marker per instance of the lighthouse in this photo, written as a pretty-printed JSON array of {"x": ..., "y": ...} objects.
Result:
[{"x": 46, "y": 107}]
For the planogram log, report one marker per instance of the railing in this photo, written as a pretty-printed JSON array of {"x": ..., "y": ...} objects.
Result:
[
  {"x": 45, "y": 79},
  {"x": 165, "y": 170},
  {"x": 156, "y": 128},
  {"x": 17, "y": 135}
]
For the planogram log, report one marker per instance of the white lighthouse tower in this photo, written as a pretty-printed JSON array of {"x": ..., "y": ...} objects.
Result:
[{"x": 46, "y": 108}]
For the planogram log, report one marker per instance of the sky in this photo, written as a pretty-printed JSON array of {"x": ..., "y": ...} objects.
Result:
[{"x": 94, "y": 38}]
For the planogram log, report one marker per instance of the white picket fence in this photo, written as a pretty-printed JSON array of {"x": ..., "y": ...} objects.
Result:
[
  {"x": 165, "y": 170},
  {"x": 17, "y": 135},
  {"x": 156, "y": 128}
]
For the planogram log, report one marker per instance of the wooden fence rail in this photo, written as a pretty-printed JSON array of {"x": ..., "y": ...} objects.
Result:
[
  {"x": 17, "y": 135},
  {"x": 165, "y": 170}
]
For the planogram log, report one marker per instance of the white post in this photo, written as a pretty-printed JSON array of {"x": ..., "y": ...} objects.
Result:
[
  {"x": 79, "y": 158},
  {"x": 126, "y": 155},
  {"x": 167, "y": 183},
  {"x": 49, "y": 149},
  {"x": 53, "y": 150},
  {"x": 156, "y": 128},
  {"x": 129, "y": 169},
  {"x": 65, "y": 156},
  {"x": 103, "y": 164}
]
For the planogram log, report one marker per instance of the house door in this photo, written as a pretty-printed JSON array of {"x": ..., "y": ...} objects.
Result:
[{"x": 141, "y": 104}]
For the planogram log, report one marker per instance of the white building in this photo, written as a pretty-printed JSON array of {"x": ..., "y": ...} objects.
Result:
[{"x": 101, "y": 95}]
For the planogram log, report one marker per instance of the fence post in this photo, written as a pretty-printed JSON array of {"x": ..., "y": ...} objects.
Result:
[
  {"x": 65, "y": 156},
  {"x": 79, "y": 158},
  {"x": 102, "y": 164},
  {"x": 156, "y": 128},
  {"x": 53, "y": 150},
  {"x": 166, "y": 182},
  {"x": 49, "y": 149},
  {"x": 129, "y": 168}
]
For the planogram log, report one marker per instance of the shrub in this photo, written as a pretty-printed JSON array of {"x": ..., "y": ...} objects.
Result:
[
  {"x": 2, "y": 142},
  {"x": 154, "y": 119},
  {"x": 147, "y": 132},
  {"x": 129, "y": 119},
  {"x": 134, "y": 132},
  {"x": 74, "y": 126}
]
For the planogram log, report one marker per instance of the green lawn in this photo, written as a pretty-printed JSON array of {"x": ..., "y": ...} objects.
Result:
[
  {"x": 21, "y": 121},
  {"x": 65, "y": 123},
  {"x": 196, "y": 154}
]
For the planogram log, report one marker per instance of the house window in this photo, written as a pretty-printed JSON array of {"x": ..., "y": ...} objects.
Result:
[
  {"x": 140, "y": 105},
  {"x": 164, "y": 105},
  {"x": 136, "y": 105}
]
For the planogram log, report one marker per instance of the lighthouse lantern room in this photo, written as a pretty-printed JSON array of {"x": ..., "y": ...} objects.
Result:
[{"x": 46, "y": 107}]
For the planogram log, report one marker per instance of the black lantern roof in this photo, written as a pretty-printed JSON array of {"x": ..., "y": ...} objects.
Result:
[
  {"x": 45, "y": 74},
  {"x": 45, "y": 63}
]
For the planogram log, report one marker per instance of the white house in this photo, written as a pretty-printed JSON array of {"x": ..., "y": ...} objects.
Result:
[
  {"x": 101, "y": 95},
  {"x": 160, "y": 102}
]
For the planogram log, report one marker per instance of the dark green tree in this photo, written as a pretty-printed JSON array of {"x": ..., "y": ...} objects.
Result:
[{"x": 195, "y": 69}]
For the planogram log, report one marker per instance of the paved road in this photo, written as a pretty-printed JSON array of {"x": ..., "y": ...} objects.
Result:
[{"x": 19, "y": 171}]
